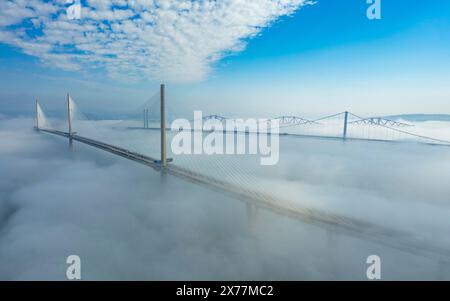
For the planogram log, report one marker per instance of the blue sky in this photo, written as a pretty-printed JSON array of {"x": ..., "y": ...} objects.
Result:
[{"x": 324, "y": 58}]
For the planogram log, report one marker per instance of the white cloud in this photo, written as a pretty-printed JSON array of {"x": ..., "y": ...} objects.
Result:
[{"x": 177, "y": 40}]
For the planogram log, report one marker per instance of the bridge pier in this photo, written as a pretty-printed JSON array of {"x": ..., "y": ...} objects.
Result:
[
  {"x": 71, "y": 147},
  {"x": 163, "y": 183},
  {"x": 345, "y": 125}
]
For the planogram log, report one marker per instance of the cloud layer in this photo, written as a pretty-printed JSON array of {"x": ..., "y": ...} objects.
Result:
[
  {"x": 126, "y": 222},
  {"x": 177, "y": 40}
]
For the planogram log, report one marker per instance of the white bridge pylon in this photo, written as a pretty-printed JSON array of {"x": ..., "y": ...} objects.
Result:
[
  {"x": 41, "y": 120},
  {"x": 70, "y": 109}
]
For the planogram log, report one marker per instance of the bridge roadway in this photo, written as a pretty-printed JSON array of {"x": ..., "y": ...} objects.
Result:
[{"x": 399, "y": 240}]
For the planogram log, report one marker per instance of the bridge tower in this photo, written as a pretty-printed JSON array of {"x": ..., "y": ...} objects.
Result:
[
  {"x": 37, "y": 115},
  {"x": 163, "y": 127},
  {"x": 69, "y": 118},
  {"x": 69, "y": 114},
  {"x": 345, "y": 125}
]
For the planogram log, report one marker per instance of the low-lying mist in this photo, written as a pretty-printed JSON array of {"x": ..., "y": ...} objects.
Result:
[{"x": 126, "y": 221}]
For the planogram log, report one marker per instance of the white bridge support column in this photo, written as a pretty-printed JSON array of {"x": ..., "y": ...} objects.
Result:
[
  {"x": 163, "y": 127},
  {"x": 344, "y": 136},
  {"x": 37, "y": 115},
  {"x": 69, "y": 114},
  {"x": 69, "y": 118}
]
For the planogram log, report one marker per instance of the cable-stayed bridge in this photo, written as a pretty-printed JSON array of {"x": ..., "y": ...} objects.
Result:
[{"x": 242, "y": 182}]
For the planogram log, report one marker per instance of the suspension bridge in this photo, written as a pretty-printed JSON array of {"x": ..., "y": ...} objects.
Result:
[{"x": 234, "y": 179}]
